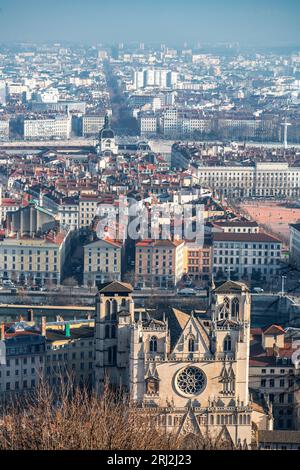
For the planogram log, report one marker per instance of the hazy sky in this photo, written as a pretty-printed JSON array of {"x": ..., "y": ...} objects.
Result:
[{"x": 264, "y": 22}]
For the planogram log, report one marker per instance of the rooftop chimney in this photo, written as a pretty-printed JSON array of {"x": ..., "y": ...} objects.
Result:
[
  {"x": 30, "y": 315},
  {"x": 2, "y": 337},
  {"x": 43, "y": 326}
]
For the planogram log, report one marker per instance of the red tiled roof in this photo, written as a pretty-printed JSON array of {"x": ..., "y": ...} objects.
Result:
[
  {"x": 273, "y": 330},
  {"x": 245, "y": 237}
]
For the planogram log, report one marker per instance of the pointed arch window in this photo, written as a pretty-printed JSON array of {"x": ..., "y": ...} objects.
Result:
[
  {"x": 226, "y": 307},
  {"x": 191, "y": 345},
  {"x": 153, "y": 344},
  {"x": 227, "y": 344},
  {"x": 235, "y": 307},
  {"x": 107, "y": 310},
  {"x": 113, "y": 331},
  {"x": 107, "y": 331},
  {"x": 114, "y": 309}
]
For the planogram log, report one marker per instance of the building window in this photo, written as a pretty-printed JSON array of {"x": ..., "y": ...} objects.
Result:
[
  {"x": 114, "y": 310},
  {"x": 113, "y": 331},
  {"x": 227, "y": 344},
  {"x": 235, "y": 307},
  {"x": 191, "y": 344},
  {"x": 153, "y": 344},
  {"x": 107, "y": 310},
  {"x": 107, "y": 331}
]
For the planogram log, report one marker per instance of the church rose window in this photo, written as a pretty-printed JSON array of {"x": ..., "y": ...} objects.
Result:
[{"x": 191, "y": 380}]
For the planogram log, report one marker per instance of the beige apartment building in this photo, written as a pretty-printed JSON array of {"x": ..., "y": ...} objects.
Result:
[
  {"x": 87, "y": 210},
  {"x": 68, "y": 213},
  {"x": 159, "y": 263},
  {"x": 91, "y": 125},
  {"x": 246, "y": 255},
  {"x": 102, "y": 262},
  {"x": 238, "y": 226},
  {"x": 198, "y": 262},
  {"x": 34, "y": 260},
  {"x": 263, "y": 179},
  {"x": 8, "y": 205},
  {"x": 58, "y": 126}
]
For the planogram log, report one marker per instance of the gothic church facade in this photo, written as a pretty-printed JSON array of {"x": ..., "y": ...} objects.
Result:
[{"x": 191, "y": 370}]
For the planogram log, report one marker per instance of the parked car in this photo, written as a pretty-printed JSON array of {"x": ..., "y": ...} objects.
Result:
[
  {"x": 257, "y": 290},
  {"x": 187, "y": 291},
  {"x": 8, "y": 283}
]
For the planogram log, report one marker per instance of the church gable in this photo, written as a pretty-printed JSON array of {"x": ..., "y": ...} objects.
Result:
[
  {"x": 224, "y": 439},
  {"x": 193, "y": 339},
  {"x": 189, "y": 425}
]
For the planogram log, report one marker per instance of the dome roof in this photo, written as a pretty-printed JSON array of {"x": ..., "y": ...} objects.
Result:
[{"x": 107, "y": 134}]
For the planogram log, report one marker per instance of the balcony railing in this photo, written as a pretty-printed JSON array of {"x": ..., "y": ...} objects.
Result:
[{"x": 193, "y": 357}]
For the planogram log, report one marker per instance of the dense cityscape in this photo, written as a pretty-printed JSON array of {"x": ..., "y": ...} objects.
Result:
[{"x": 149, "y": 246}]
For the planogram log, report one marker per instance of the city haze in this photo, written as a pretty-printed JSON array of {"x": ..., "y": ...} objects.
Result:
[{"x": 257, "y": 23}]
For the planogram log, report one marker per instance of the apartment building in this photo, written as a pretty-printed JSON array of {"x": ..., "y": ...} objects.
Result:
[
  {"x": 273, "y": 374},
  {"x": 247, "y": 128},
  {"x": 87, "y": 210},
  {"x": 69, "y": 352},
  {"x": 91, "y": 125},
  {"x": 198, "y": 262},
  {"x": 4, "y": 129},
  {"x": 102, "y": 262},
  {"x": 68, "y": 213},
  {"x": 154, "y": 77},
  {"x": 159, "y": 263},
  {"x": 190, "y": 125},
  {"x": 22, "y": 359},
  {"x": 34, "y": 248},
  {"x": 170, "y": 122},
  {"x": 295, "y": 245},
  {"x": 8, "y": 205},
  {"x": 264, "y": 179},
  {"x": 2, "y": 93},
  {"x": 147, "y": 124},
  {"x": 56, "y": 352},
  {"x": 246, "y": 255},
  {"x": 34, "y": 260},
  {"x": 56, "y": 127},
  {"x": 237, "y": 226}
]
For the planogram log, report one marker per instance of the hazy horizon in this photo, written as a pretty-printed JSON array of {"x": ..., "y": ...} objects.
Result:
[{"x": 267, "y": 23}]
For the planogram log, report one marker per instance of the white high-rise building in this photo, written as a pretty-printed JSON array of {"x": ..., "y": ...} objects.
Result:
[
  {"x": 138, "y": 79},
  {"x": 2, "y": 92}
]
